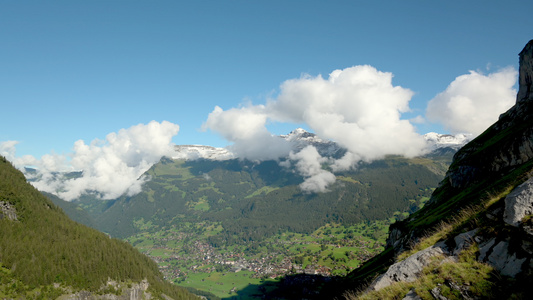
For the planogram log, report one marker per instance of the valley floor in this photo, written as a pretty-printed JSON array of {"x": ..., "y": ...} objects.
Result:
[{"x": 188, "y": 259}]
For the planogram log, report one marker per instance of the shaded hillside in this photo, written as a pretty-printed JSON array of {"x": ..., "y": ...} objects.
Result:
[
  {"x": 43, "y": 253},
  {"x": 473, "y": 239}
]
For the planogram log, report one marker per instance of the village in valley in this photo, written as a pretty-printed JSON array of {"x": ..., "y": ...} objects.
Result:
[{"x": 330, "y": 251}]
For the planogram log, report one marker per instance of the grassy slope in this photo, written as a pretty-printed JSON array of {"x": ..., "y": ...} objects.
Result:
[
  {"x": 480, "y": 279},
  {"x": 454, "y": 210}
]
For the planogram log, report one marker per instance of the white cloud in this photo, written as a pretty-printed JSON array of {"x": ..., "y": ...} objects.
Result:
[
  {"x": 111, "y": 167},
  {"x": 418, "y": 120},
  {"x": 357, "y": 107},
  {"x": 473, "y": 102},
  {"x": 245, "y": 127},
  {"x": 8, "y": 150}
]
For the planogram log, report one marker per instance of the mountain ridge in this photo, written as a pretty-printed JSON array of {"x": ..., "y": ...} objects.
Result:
[
  {"x": 301, "y": 138},
  {"x": 473, "y": 238}
]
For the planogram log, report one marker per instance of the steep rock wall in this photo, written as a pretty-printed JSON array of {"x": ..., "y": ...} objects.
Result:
[
  {"x": 506, "y": 144},
  {"x": 502, "y": 148},
  {"x": 505, "y": 241}
]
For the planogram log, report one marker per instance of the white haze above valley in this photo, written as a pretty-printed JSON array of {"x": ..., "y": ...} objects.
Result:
[{"x": 358, "y": 109}]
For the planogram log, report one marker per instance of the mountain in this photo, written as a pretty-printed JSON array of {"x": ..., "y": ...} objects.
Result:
[
  {"x": 473, "y": 239},
  {"x": 198, "y": 151},
  {"x": 264, "y": 197},
  {"x": 236, "y": 191},
  {"x": 44, "y": 254},
  {"x": 439, "y": 141},
  {"x": 300, "y": 138},
  {"x": 229, "y": 207},
  {"x": 196, "y": 217}
]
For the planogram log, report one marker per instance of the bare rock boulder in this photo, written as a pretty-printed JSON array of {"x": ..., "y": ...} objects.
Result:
[{"x": 519, "y": 203}]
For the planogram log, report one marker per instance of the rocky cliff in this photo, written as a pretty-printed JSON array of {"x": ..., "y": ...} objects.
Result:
[
  {"x": 477, "y": 222},
  {"x": 7, "y": 211},
  {"x": 116, "y": 291}
]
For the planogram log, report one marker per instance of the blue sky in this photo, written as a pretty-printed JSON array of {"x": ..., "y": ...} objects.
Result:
[{"x": 72, "y": 70}]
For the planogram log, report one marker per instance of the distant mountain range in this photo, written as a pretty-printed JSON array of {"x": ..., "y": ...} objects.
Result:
[{"x": 300, "y": 138}]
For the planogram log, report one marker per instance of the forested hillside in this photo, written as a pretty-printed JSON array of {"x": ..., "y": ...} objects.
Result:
[
  {"x": 254, "y": 200},
  {"x": 44, "y": 254}
]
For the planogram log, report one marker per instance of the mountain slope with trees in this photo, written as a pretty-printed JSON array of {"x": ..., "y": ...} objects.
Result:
[
  {"x": 235, "y": 211},
  {"x": 44, "y": 254},
  {"x": 253, "y": 200}
]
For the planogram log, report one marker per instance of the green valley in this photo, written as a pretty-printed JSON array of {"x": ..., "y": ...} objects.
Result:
[
  {"x": 186, "y": 258},
  {"x": 223, "y": 226}
]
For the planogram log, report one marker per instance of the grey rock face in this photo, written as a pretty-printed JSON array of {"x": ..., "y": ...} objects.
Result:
[
  {"x": 526, "y": 73},
  {"x": 409, "y": 269},
  {"x": 137, "y": 291},
  {"x": 508, "y": 264},
  {"x": 499, "y": 256},
  {"x": 436, "y": 293},
  {"x": 519, "y": 203},
  {"x": 485, "y": 248},
  {"x": 463, "y": 241},
  {"x": 412, "y": 295},
  {"x": 395, "y": 234},
  {"x": 7, "y": 211}
]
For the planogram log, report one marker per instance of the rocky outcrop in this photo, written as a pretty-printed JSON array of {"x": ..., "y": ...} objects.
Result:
[
  {"x": 519, "y": 204},
  {"x": 7, "y": 211},
  {"x": 409, "y": 269},
  {"x": 502, "y": 148},
  {"x": 500, "y": 256},
  {"x": 116, "y": 291},
  {"x": 411, "y": 296},
  {"x": 526, "y": 73}
]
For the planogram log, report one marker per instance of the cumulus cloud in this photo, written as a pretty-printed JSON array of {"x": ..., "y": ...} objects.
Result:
[
  {"x": 473, "y": 102},
  {"x": 8, "y": 150},
  {"x": 246, "y": 128},
  {"x": 110, "y": 167},
  {"x": 358, "y": 107}
]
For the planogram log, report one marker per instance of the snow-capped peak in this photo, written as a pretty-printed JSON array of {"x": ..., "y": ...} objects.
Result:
[
  {"x": 198, "y": 151},
  {"x": 300, "y": 138},
  {"x": 437, "y": 140},
  {"x": 301, "y": 134}
]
